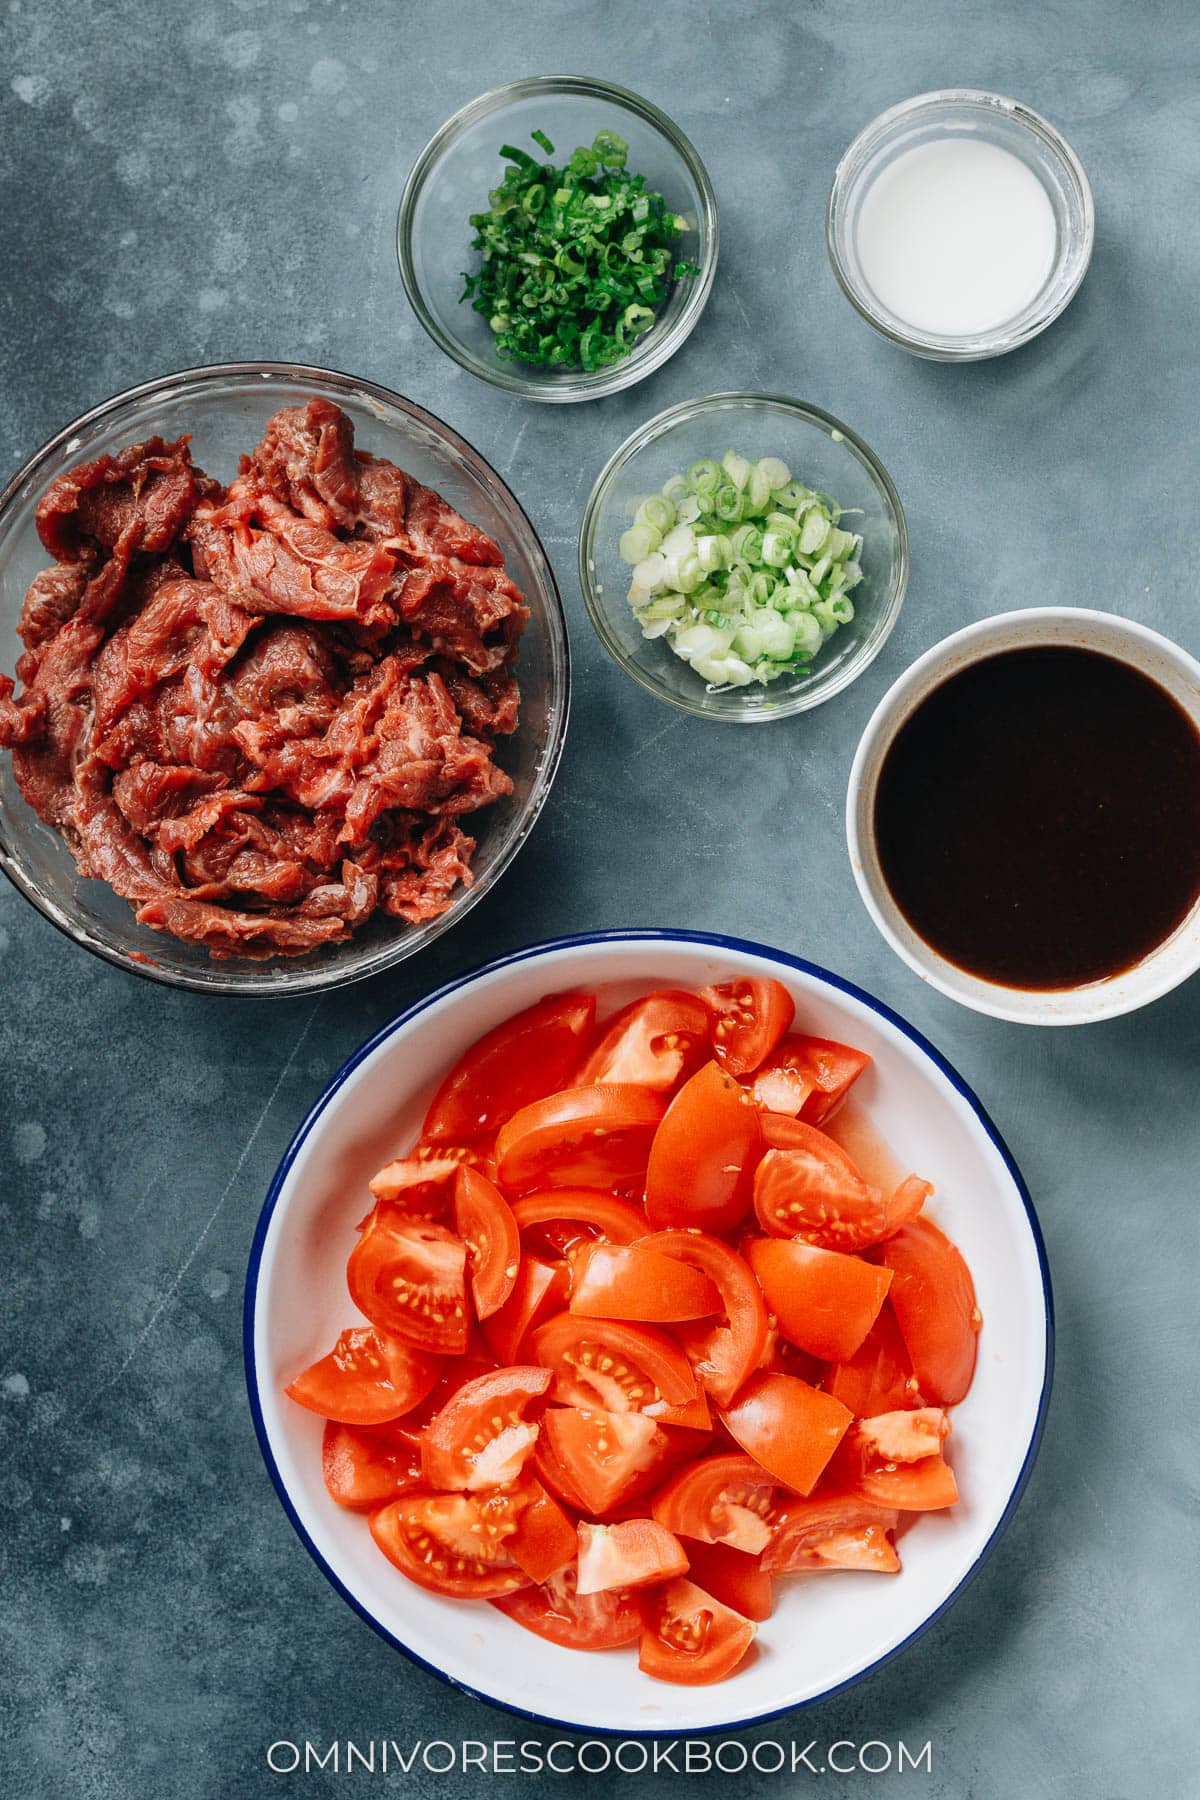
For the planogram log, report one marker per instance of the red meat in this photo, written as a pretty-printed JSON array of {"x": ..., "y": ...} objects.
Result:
[{"x": 258, "y": 713}]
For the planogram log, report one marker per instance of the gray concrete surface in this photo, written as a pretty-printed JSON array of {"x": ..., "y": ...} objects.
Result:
[{"x": 182, "y": 184}]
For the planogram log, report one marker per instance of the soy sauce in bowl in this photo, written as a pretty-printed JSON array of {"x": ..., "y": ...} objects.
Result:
[{"x": 1037, "y": 817}]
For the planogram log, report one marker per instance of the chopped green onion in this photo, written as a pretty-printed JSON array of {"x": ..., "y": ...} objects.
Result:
[
  {"x": 575, "y": 262},
  {"x": 741, "y": 570}
]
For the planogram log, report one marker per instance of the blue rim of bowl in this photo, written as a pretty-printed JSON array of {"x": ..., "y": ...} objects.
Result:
[
  {"x": 738, "y": 947},
  {"x": 584, "y": 385},
  {"x": 463, "y": 902}
]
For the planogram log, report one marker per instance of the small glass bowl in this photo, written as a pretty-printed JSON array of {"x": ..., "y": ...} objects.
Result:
[
  {"x": 461, "y": 163},
  {"x": 225, "y": 408},
  {"x": 819, "y": 451},
  {"x": 960, "y": 112}
]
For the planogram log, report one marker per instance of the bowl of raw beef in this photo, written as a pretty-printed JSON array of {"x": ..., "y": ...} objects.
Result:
[{"x": 291, "y": 679}]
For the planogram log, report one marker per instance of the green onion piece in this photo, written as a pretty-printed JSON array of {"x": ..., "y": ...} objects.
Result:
[{"x": 543, "y": 142}]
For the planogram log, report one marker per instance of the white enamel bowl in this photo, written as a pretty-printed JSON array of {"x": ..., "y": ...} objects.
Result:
[
  {"x": 1170, "y": 963},
  {"x": 827, "y": 1630}
]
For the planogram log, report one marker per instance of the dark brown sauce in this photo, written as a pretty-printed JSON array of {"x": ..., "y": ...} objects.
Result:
[{"x": 1038, "y": 817}]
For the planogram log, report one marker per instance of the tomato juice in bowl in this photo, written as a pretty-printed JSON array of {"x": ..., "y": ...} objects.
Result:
[{"x": 824, "y": 1633}]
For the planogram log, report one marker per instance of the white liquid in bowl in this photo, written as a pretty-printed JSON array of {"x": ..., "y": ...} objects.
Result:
[{"x": 956, "y": 236}]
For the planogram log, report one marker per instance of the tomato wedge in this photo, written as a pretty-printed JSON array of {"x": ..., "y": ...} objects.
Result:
[
  {"x": 651, "y": 1042},
  {"x": 409, "y": 1277},
  {"x": 580, "y": 1137},
  {"x": 578, "y": 1622},
  {"x": 483, "y": 1220},
  {"x": 368, "y": 1378},
  {"x": 617, "y": 1220},
  {"x": 933, "y": 1297},
  {"x": 825, "y": 1302},
  {"x": 727, "y": 1499},
  {"x": 617, "y": 1367},
  {"x": 545, "y": 1539},
  {"x": 690, "y": 1638},
  {"x": 732, "y": 1577},
  {"x": 723, "y": 1353},
  {"x": 520, "y": 1061},
  {"x": 807, "y": 1077},
  {"x": 422, "y": 1186},
  {"x": 453, "y": 1544},
  {"x": 539, "y": 1291},
  {"x": 600, "y": 1452},
  {"x": 630, "y": 1554},
  {"x": 896, "y": 1460},
  {"x": 789, "y": 1428},
  {"x": 634, "y": 1281},
  {"x": 835, "y": 1530},
  {"x": 749, "y": 1016},
  {"x": 366, "y": 1466},
  {"x": 481, "y": 1438},
  {"x": 701, "y": 1163},
  {"x": 807, "y": 1186},
  {"x": 879, "y": 1376}
]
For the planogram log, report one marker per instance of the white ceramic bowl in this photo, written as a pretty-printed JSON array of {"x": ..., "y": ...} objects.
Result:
[
  {"x": 1177, "y": 957},
  {"x": 827, "y": 1630}
]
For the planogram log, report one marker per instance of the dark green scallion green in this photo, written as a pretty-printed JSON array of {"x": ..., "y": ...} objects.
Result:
[{"x": 576, "y": 262}]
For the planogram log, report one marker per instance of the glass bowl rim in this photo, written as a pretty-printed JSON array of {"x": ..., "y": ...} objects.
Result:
[
  {"x": 1074, "y": 256},
  {"x": 583, "y": 385},
  {"x": 245, "y": 979},
  {"x": 833, "y": 428}
]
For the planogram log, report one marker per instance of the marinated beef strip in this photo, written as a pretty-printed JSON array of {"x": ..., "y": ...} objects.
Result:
[{"x": 259, "y": 712}]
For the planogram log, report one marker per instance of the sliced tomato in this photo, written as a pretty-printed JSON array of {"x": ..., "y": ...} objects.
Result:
[
  {"x": 368, "y": 1378},
  {"x": 781, "y": 1357},
  {"x": 879, "y": 1376},
  {"x": 807, "y": 1077},
  {"x": 701, "y": 1166},
  {"x": 688, "y": 1637},
  {"x": 601, "y": 1452},
  {"x": 422, "y": 1186},
  {"x": 825, "y": 1302},
  {"x": 483, "y": 1220},
  {"x": 580, "y": 1137},
  {"x": 545, "y": 1539},
  {"x": 722, "y": 1353},
  {"x": 728, "y": 1499},
  {"x": 651, "y": 1042},
  {"x": 732, "y": 1577},
  {"x": 617, "y": 1367},
  {"x": 409, "y": 1277},
  {"x": 617, "y": 1220},
  {"x": 553, "y": 1476},
  {"x": 481, "y": 1438},
  {"x": 905, "y": 1436},
  {"x": 539, "y": 1291},
  {"x": 896, "y": 1460},
  {"x": 364, "y": 1467},
  {"x": 807, "y": 1186},
  {"x": 630, "y": 1554},
  {"x": 748, "y": 1015},
  {"x": 838, "y": 1529},
  {"x": 635, "y": 1281},
  {"x": 791, "y": 1429},
  {"x": 578, "y": 1622},
  {"x": 453, "y": 1544},
  {"x": 934, "y": 1301},
  {"x": 528, "y": 1056}
]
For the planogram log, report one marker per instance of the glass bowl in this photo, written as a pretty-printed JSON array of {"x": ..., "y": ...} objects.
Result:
[
  {"x": 461, "y": 163},
  {"x": 225, "y": 408},
  {"x": 964, "y": 112},
  {"x": 819, "y": 451}
]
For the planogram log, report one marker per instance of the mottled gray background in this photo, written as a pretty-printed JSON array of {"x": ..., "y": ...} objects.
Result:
[{"x": 183, "y": 184}]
